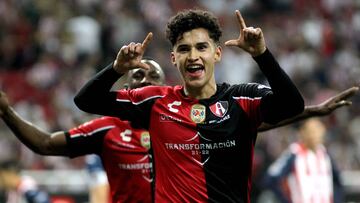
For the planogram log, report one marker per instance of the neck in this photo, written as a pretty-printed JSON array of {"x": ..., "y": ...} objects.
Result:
[{"x": 200, "y": 92}]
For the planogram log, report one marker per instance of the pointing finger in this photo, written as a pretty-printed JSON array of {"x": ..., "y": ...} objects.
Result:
[
  {"x": 143, "y": 66},
  {"x": 147, "y": 40},
  {"x": 240, "y": 19}
]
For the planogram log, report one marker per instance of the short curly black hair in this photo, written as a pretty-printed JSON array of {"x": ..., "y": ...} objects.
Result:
[{"x": 191, "y": 19}]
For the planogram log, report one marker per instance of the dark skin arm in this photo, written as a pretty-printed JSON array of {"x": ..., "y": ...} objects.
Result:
[
  {"x": 322, "y": 109},
  {"x": 39, "y": 141}
]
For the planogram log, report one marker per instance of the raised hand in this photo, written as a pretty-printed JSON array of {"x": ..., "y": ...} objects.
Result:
[
  {"x": 250, "y": 39},
  {"x": 335, "y": 102},
  {"x": 322, "y": 109},
  {"x": 129, "y": 57}
]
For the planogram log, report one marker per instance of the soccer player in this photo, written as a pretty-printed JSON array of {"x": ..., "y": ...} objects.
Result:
[
  {"x": 305, "y": 172},
  {"x": 18, "y": 187},
  {"x": 203, "y": 133},
  {"x": 123, "y": 148}
]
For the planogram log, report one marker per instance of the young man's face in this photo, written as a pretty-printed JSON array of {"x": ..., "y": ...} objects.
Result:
[
  {"x": 141, "y": 78},
  {"x": 195, "y": 55}
]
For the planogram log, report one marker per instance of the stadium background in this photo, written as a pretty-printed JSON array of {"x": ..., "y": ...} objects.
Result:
[{"x": 49, "y": 48}]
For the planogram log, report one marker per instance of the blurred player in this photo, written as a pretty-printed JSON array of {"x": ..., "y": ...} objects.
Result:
[
  {"x": 20, "y": 188},
  {"x": 305, "y": 173}
]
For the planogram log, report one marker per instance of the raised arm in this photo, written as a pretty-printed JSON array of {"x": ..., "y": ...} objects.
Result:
[
  {"x": 285, "y": 100},
  {"x": 322, "y": 109},
  {"x": 95, "y": 96},
  {"x": 37, "y": 140}
]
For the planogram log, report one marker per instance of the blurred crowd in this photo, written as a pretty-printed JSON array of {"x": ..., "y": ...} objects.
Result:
[{"x": 48, "y": 49}]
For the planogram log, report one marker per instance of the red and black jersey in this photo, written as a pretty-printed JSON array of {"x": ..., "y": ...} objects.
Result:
[
  {"x": 203, "y": 149},
  {"x": 124, "y": 154}
]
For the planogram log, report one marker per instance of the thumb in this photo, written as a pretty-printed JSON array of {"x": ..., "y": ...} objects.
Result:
[{"x": 231, "y": 43}]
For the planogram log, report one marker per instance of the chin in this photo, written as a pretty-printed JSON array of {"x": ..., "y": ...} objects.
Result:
[{"x": 195, "y": 84}]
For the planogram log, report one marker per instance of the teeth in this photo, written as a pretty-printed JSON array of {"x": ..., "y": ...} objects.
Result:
[{"x": 194, "y": 66}]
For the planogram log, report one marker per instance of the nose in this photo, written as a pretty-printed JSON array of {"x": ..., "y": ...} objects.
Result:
[
  {"x": 193, "y": 55},
  {"x": 146, "y": 81}
]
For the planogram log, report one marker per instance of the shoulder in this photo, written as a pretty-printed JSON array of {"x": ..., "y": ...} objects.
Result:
[
  {"x": 250, "y": 85},
  {"x": 296, "y": 148},
  {"x": 246, "y": 89},
  {"x": 142, "y": 94},
  {"x": 154, "y": 90}
]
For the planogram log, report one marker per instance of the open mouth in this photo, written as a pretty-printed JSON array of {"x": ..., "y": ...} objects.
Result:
[{"x": 195, "y": 68}]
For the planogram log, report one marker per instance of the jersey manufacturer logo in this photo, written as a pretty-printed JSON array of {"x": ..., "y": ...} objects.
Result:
[
  {"x": 145, "y": 139},
  {"x": 220, "y": 108},
  {"x": 126, "y": 135},
  {"x": 171, "y": 106},
  {"x": 197, "y": 113}
]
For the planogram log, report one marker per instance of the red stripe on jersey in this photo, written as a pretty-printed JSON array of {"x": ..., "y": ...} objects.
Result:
[{"x": 251, "y": 108}]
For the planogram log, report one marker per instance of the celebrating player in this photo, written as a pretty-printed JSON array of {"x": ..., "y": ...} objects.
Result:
[{"x": 203, "y": 133}]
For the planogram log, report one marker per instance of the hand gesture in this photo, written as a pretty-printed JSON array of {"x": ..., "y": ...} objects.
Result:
[
  {"x": 4, "y": 103},
  {"x": 250, "y": 39},
  {"x": 129, "y": 57},
  {"x": 335, "y": 102}
]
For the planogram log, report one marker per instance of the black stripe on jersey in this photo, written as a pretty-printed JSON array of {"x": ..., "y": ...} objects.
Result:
[
  {"x": 228, "y": 169},
  {"x": 86, "y": 144}
]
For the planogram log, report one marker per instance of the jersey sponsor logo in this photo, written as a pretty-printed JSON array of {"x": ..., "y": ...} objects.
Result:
[
  {"x": 197, "y": 113},
  {"x": 145, "y": 139},
  {"x": 168, "y": 118},
  {"x": 202, "y": 149},
  {"x": 142, "y": 165},
  {"x": 173, "y": 105},
  {"x": 220, "y": 108}
]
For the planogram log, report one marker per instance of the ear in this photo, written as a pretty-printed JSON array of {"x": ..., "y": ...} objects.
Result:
[
  {"x": 173, "y": 60},
  {"x": 218, "y": 51}
]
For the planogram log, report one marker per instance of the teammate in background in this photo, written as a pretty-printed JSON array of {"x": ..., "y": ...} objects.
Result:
[
  {"x": 305, "y": 172},
  {"x": 20, "y": 188},
  {"x": 99, "y": 191},
  {"x": 123, "y": 148}
]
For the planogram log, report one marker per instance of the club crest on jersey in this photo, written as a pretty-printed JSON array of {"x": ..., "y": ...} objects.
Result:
[
  {"x": 197, "y": 113},
  {"x": 220, "y": 108},
  {"x": 145, "y": 139}
]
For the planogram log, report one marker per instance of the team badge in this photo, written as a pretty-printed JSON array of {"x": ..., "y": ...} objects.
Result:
[
  {"x": 145, "y": 139},
  {"x": 220, "y": 108},
  {"x": 198, "y": 113}
]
